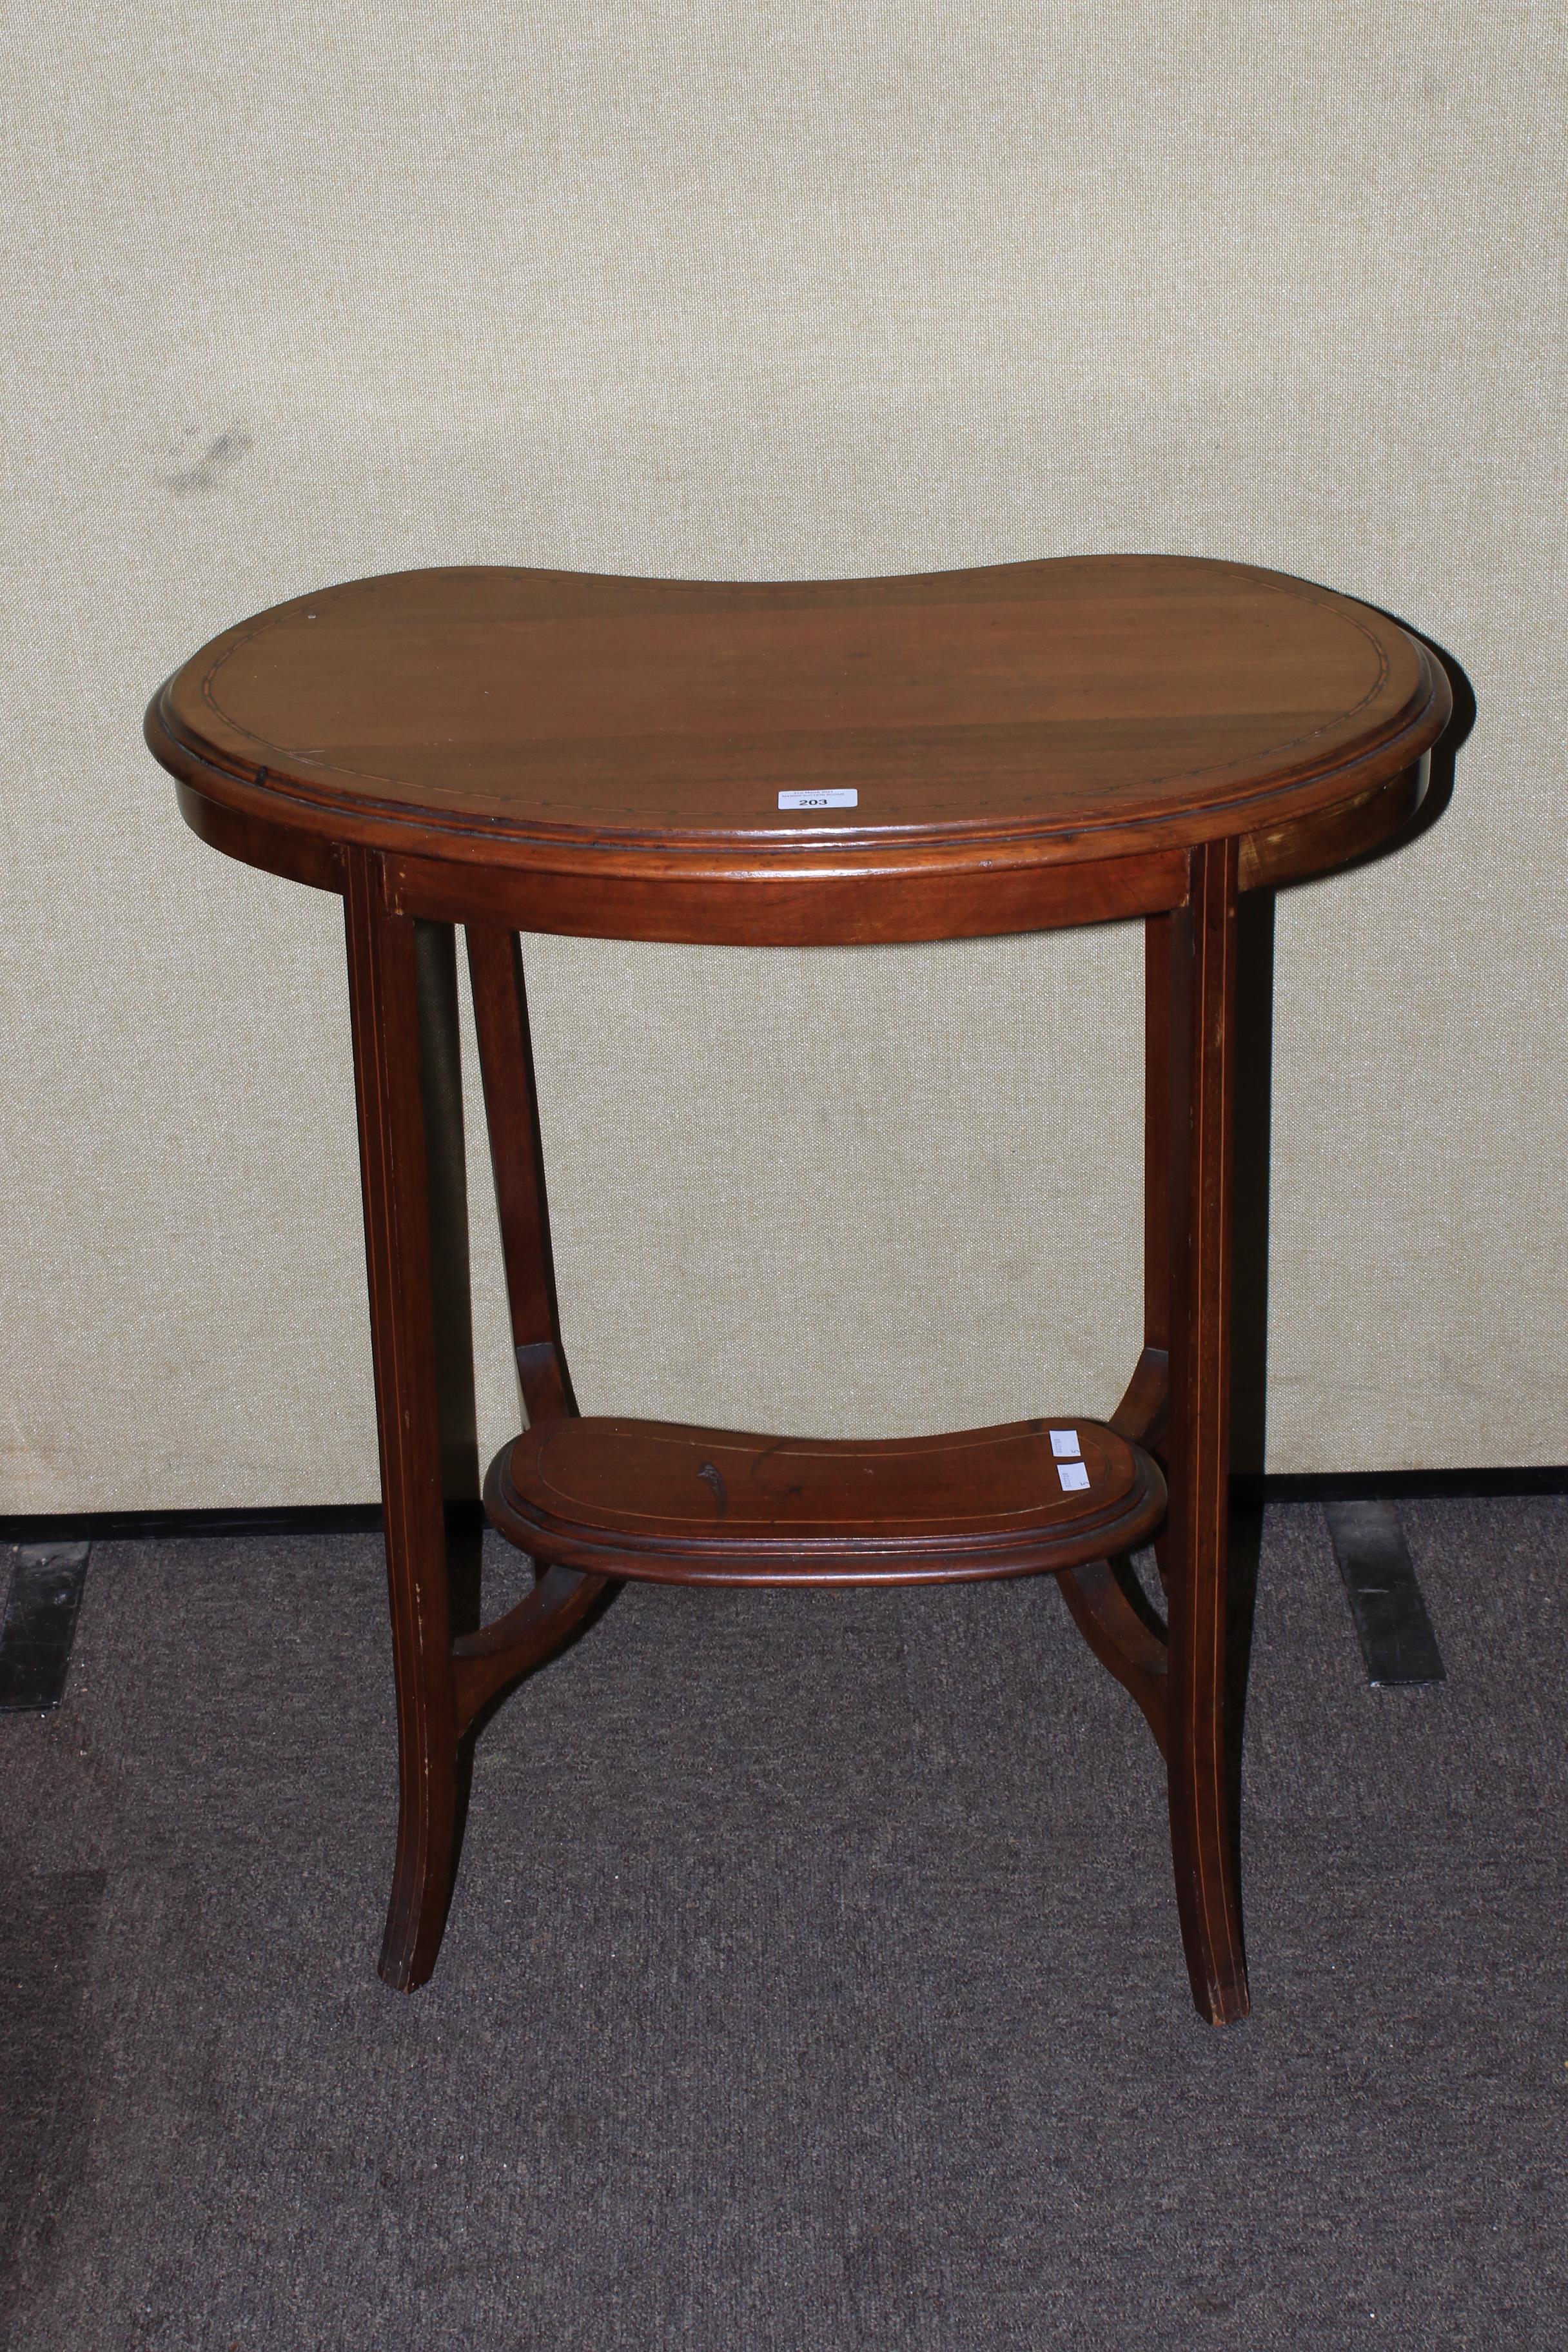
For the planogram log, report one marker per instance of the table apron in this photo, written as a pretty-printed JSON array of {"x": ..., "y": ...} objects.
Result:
[
  {"x": 791, "y": 910},
  {"x": 811, "y": 909}
]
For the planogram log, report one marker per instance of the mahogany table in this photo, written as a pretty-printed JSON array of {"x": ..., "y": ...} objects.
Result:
[{"x": 934, "y": 758}]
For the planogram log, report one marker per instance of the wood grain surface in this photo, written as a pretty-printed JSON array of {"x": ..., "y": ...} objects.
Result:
[
  {"x": 689, "y": 1506},
  {"x": 606, "y": 733}
]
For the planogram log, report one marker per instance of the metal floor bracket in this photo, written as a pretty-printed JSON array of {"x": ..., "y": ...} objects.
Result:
[
  {"x": 40, "y": 1625},
  {"x": 1391, "y": 1621}
]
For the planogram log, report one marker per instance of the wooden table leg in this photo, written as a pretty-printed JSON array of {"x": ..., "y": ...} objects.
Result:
[
  {"x": 1201, "y": 1010},
  {"x": 405, "y": 1101},
  {"x": 517, "y": 1157}
]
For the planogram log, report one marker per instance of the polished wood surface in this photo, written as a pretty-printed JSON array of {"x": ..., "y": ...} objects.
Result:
[
  {"x": 1035, "y": 744},
  {"x": 1200, "y": 940},
  {"x": 517, "y": 1163},
  {"x": 612, "y": 752},
  {"x": 384, "y": 1008},
  {"x": 687, "y": 1506}
]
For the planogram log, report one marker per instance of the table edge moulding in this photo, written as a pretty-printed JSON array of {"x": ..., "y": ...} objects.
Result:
[{"x": 949, "y": 755}]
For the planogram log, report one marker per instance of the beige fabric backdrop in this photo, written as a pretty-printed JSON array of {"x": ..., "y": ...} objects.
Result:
[{"x": 705, "y": 288}]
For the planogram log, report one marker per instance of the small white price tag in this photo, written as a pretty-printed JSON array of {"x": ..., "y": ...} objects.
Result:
[
  {"x": 1065, "y": 1445},
  {"x": 835, "y": 798},
  {"x": 1073, "y": 1476}
]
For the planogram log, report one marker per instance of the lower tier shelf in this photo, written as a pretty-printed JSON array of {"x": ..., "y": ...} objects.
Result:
[{"x": 678, "y": 1505}]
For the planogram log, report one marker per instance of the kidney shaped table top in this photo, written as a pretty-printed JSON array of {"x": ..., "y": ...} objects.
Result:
[
  {"x": 937, "y": 756},
  {"x": 675, "y": 758}
]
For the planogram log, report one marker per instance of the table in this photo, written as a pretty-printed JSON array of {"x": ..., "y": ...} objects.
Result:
[{"x": 1003, "y": 750}]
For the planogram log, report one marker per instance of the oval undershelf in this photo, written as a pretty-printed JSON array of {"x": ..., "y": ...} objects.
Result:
[{"x": 678, "y": 1505}]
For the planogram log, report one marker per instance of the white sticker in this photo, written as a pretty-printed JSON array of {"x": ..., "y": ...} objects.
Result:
[
  {"x": 1073, "y": 1476},
  {"x": 1065, "y": 1445},
  {"x": 835, "y": 799}
]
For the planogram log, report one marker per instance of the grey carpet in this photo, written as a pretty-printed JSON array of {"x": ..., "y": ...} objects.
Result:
[{"x": 813, "y": 1980}]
